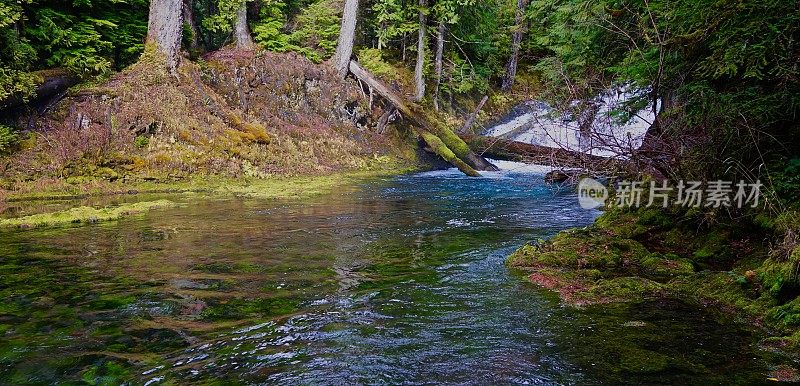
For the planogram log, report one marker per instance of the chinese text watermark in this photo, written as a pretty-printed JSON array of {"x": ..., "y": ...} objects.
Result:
[{"x": 690, "y": 194}]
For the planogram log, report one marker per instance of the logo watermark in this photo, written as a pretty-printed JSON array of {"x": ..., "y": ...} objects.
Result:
[
  {"x": 691, "y": 194},
  {"x": 591, "y": 193}
]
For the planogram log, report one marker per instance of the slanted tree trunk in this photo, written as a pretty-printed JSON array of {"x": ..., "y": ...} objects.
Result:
[
  {"x": 516, "y": 42},
  {"x": 419, "y": 76},
  {"x": 441, "y": 139},
  {"x": 240, "y": 29},
  {"x": 438, "y": 64},
  {"x": 165, "y": 29},
  {"x": 347, "y": 37},
  {"x": 474, "y": 116}
]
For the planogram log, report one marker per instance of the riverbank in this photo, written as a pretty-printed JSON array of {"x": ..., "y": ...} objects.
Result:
[
  {"x": 33, "y": 205},
  {"x": 646, "y": 254}
]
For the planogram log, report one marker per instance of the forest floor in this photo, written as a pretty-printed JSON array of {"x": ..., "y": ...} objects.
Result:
[{"x": 243, "y": 123}]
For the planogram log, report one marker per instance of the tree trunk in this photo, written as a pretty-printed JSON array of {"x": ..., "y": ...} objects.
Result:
[
  {"x": 419, "y": 77},
  {"x": 507, "y": 150},
  {"x": 241, "y": 30},
  {"x": 516, "y": 42},
  {"x": 472, "y": 117},
  {"x": 165, "y": 29},
  {"x": 438, "y": 63},
  {"x": 441, "y": 139},
  {"x": 347, "y": 37}
]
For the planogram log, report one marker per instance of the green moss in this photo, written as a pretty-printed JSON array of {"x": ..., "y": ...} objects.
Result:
[
  {"x": 624, "y": 224},
  {"x": 267, "y": 187},
  {"x": 141, "y": 141},
  {"x": 236, "y": 309},
  {"x": 438, "y": 145},
  {"x": 583, "y": 249},
  {"x": 666, "y": 265},
  {"x": 715, "y": 246},
  {"x": 787, "y": 315},
  {"x": 84, "y": 214},
  {"x": 109, "y": 373},
  {"x": 621, "y": 289},
  {"x": 111, "y": 302},
  {"x": 640, "y": 361},
  {"x": 372, "y": 60}
]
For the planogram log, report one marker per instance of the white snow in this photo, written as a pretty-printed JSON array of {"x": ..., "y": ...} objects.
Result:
[{"x": 542, "y": 125}]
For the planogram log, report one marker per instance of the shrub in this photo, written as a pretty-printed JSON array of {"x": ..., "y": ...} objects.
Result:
[
  {"x": 8, "y": 138},
  {"x": 141, "y": 142},
  {"x": 372, "y": 60}
]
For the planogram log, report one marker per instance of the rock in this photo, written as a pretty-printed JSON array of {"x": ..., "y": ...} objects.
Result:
[
  {"x": 564, "y": 175},
  {"x": 556, "y": 177},
  {"x": 634, "y": 323}
]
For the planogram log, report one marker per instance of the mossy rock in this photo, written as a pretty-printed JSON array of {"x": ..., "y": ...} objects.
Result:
[
  {"x": 106, "y": 173},
  {"x": 669, "y": 265},
  {"x": 622, "y": 224},
  {"x": 714, "y": 247},
  {"x": 623, "y": 289}
]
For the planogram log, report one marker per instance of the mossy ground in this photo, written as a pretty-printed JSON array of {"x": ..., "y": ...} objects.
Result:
[
  {"x": 234, "y": 114},
  {"x": 84, "y": 214},
  {"x": 268, "y": 188},
  {"x": 633, "y": 256}
]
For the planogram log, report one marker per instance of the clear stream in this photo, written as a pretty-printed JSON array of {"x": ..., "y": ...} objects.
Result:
[{"x": 396, "y": 281}]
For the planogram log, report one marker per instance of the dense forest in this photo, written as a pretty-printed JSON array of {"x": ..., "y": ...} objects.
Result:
[
  {"x": 721, "y": 76},
  {"x": 101, "y": 96}
]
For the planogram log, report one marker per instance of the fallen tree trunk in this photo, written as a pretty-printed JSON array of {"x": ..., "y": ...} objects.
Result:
[
  {"x": 441, "y": 139},
  {"x": 503, "y": 149},
  {"x": 53, "y": 87}
]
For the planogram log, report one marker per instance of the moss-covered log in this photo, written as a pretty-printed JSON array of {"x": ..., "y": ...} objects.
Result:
[{"x": 441, "y": 139}]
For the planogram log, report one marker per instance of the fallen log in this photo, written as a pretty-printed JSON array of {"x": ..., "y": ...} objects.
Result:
[
  {"x": 51, "y": 88},
  {"x": 507, "y": 150},
  {"x": 440, "y": 139}
]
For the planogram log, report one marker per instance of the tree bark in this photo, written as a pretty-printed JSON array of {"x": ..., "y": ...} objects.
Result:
[
  {"x": 516, "y": 42},
  {"x": 442, "y": 140},
  {"x": 438, "y": 64},
  {"x": 241, "y": 30},
  {"x": 165, "y": 29},
  {"x": 347, "y": 37},
  {"x": 419, "y": 76},
  {"x": 472, "y": 117}
]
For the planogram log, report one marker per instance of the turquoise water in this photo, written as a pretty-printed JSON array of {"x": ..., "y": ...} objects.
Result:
[{"x": 396, "y": 281}]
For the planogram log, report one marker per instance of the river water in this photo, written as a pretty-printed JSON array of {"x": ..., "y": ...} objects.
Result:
[{"x": 394, "y": 281}]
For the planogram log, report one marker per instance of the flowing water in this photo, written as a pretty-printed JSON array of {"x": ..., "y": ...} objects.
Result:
[{"x": 395, "y": 281}]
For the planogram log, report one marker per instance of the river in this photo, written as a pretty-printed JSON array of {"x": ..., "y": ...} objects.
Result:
[{"x": 393, "y": 281}]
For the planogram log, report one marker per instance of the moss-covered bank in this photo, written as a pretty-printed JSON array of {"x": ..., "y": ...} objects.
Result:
[
  {"x": 61, "y": 203},
  {"x": 637, "y": 255},
  {"x": 84, "y": 214}
]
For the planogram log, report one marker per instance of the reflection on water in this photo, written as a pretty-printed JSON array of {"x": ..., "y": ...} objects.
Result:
[{"x": 396, "y": 281}]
